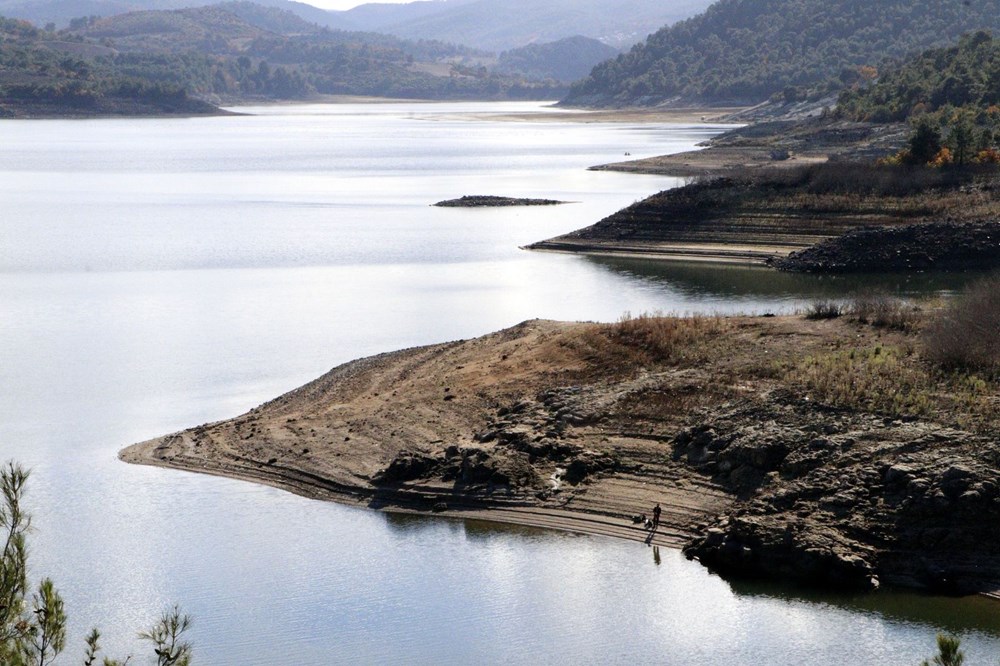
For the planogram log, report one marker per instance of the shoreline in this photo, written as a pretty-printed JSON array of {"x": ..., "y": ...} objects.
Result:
[
  {"x": 346, "y": 470},
  {"x": 413, "y": 504},
  {"x": 580, "y": 427},
  {"x": 693, "y": 115},
  {"x": 709, "y": 253}
]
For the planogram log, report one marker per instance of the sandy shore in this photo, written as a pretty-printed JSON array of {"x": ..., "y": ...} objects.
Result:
[
  {"x": 679, "y": 116},
  {"x": 713, "y": 161},
  {"x": 746, "y": 254}
]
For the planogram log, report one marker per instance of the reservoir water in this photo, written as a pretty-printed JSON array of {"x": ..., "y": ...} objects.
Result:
[{"x": 160, "y": 273}]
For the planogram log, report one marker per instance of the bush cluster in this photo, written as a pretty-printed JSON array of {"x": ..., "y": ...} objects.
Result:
[{"x": 966, "y": 335}]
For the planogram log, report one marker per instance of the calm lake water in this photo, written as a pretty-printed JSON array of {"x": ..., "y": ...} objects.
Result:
[{"x": 156, "y": 274}]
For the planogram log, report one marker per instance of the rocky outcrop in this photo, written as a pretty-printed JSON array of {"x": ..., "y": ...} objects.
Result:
[
  {"x": 520, "y": 440},
  {"x": 849, "y": 500},
  {"x": 917, "y": 247}
]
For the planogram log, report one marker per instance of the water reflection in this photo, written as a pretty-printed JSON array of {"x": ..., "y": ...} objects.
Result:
[
  {"x": 955, "y": 615},
  {"x": 960, "y": 616},
  {"x": 699, "y": 280},
  {"x": 472, "y": 529}
]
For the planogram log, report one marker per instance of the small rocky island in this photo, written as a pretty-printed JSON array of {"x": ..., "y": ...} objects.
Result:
[{"x": 489, "y": 201}]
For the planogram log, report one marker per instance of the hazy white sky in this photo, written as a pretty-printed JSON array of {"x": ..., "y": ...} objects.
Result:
[{"x": 347, "y": 4}]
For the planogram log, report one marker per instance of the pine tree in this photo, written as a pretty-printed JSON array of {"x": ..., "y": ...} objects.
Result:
[{"x": 33, "y": 633}]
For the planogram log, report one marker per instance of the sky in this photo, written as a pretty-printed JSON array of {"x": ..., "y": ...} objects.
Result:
[{"x": 347, "y": 4}]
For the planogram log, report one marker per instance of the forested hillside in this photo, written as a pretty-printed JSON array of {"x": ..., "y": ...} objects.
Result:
[
  {"x": 966, "y": 76},
  {"x": 59, "y": 13},
  {"x": 230, "y": 53},
  {"x": 745, "y": 51},
  {"x": 240, "y": 50},
  {"x": 494, "y": 25},
  {"x": 43, "y": 76},
  {"x": 564, "y": 60}
]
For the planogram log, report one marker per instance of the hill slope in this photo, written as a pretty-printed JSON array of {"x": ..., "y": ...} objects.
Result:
[
  {"x": 61, "y": 12},
  {"x": 494, "y": 25},
  {"x": 240, "y": 51},
  {"x": 41, "y": 75},
  {"x": 963, "y": 76},
  {"x": 499, "y": 25},
  {"x": 565, "y": 60},
  {"x": 744, "y": 51}
]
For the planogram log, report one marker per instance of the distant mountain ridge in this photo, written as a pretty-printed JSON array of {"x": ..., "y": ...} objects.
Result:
[
  {"x": 239, "y": 51},
  {"x": 61, "y": 12},
  {"x": 745, "y": 51},
  {"x": 492, "y": 25},
  {"x": 500, "y": 25}
]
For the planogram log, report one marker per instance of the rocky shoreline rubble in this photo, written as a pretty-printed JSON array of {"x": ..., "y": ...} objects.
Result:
[
  {"x": 948, "y": 246},
  {"x": 849, "y": 501}
]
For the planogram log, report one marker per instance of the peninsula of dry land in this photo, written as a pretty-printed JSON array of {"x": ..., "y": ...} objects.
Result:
[
  {"x": 827, "y": 451},
  {"x": 773, "y": 215}
]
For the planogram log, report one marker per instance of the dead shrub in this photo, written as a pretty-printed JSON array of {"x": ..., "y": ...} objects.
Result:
[
  {"x": 966, "y": 333},
  {"x": 884, "y": 311},
  {"x": 824, "y": 310}
]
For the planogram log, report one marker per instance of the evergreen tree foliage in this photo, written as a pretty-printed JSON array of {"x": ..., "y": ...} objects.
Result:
[
  {"x": 965, "y": 75},
  {"x": 948, "y": 652},
  {"x": 33, "y": 633},
  {"x": 748, "y": 50}
]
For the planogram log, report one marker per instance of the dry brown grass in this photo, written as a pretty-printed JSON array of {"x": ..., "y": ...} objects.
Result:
[
  {"x": 824, "y": 309},
  {"x": 653, "y": 340}
]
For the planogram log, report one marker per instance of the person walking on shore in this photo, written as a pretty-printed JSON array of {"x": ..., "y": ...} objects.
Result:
[{"x": 656, "y": 515}]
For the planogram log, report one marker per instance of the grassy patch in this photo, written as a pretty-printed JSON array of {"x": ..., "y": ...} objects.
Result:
[
  {"x": 894, "y": 381},
  {"x": 878, "y": 379}
]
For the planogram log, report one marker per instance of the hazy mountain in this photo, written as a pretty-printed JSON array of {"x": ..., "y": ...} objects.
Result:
[
  {"x": 60, "y": 12},
  {"x": 744, "y": 51},
  {"x": 565, "y": 60},
  {"x": 493, "y": 25},
  {"x": 500, "y": 25},
  {"x": 375, "y": 16},
  {"x": 218, "y": 29}
]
